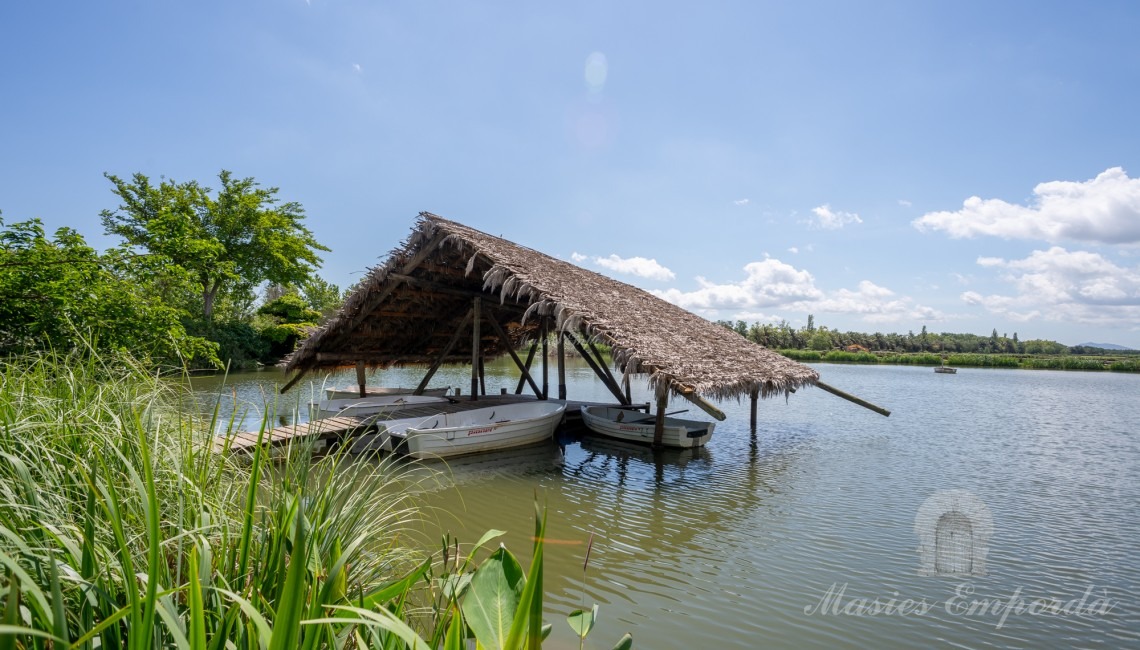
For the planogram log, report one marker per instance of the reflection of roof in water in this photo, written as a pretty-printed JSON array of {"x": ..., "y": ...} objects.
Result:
[{"x": 407, "y": 310}]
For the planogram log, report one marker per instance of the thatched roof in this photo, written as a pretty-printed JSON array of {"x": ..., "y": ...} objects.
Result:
[{"x": 410, "y": 307}]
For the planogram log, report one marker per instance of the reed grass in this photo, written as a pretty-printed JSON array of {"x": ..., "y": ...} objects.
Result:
[{"x": 120, "y": 528}]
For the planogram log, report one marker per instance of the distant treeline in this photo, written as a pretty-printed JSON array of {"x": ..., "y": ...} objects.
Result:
[{"x": 812, "y": 343}]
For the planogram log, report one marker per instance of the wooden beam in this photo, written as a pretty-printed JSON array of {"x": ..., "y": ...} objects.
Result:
[
  {"x": 659, "y": 421},
  {"x": 382, "y": 295},
  {"x": 851, "y": 398},
  {"x": 604, "y": 366},
  {"x": 613, "y": 388},
  {"x": 529, "y": 359},
  {"x": 440, "y": 287},
  {"x": 507, "y": 344},
  {"x": 360, "y": 378},
  {"x": 443, "y": 354},
  {"x": 476, "y": 318},
  {"x": 296, "y": 378},
  {"x": 691, "y": 395}
]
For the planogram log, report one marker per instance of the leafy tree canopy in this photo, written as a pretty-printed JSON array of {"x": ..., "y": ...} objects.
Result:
[
  {"x": 228, "y": 242},
  {"x": 59, "y": 293}
]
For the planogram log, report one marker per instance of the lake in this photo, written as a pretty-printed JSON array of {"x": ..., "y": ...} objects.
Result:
[{"x": 831, "y": 526}]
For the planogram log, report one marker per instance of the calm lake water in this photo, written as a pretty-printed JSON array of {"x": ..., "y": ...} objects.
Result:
[{"x": 777, "y": 539}]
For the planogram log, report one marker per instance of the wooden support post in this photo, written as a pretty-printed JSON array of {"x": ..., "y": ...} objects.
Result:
[
  {"x": 561, "y": 366},
  {"x": 755, "y": 396},
  {"x": 851, "y": 398},
  {"x": 360, "y": 378},
  {"x": 476, "y": 315},
  {"x": 482, "y": 377},
  {"x": 659, "y": 423},
  {"x": 442, "y": 355},
  {"x": 625, "y": 385},
  {"x": 506, "y": 340},
  {"x": 545, "y": 358},
  {"x": 614, "y": 388},
  {"x": 529, "y": 359}
]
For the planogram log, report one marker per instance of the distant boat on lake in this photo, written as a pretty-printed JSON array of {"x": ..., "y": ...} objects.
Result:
[{"x": 946, "y": 370}]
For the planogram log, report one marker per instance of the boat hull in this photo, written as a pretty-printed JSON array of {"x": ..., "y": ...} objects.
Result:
[
  {"x": 363, "y": 407},
  {"x": 351, "y": 392},
  {"x": 475, "y": 431},
  {"x": 638, "y": 427}
]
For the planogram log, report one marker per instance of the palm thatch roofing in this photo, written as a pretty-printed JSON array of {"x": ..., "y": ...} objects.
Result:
[{"x": 414, "y": 304}]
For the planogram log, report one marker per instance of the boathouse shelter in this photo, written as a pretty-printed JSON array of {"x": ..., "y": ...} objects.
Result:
[{"x": 451, "y": 294}]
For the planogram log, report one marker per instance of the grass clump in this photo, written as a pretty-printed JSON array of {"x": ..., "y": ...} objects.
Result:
[{"x": 120, "y": 527}]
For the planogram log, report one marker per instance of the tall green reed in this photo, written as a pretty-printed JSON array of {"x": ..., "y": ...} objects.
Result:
[{"x": 120, "y": 527}]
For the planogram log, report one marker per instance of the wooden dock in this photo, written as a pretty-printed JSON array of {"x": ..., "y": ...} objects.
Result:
[{"x": 333, "y": 430}]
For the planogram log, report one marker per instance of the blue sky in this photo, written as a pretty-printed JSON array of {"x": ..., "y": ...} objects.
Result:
[{"x": 883, "y": 166}]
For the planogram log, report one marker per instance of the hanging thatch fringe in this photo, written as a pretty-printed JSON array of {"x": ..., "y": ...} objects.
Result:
[{"x": 391, "y": 319}]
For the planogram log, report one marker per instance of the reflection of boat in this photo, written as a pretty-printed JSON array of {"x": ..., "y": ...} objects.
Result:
[
  {"x": 638, "y": 427},
  {"x": 379, "y": 391},
  {"x": 623, "y": 450},
  {"x": 946, "y": 370},
  {"x": 478, "y": 430},
  {"x": 365, "y": 406}
]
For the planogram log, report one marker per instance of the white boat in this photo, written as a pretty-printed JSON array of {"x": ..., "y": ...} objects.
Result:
[
  {"x": 350, "y": 392},
  {"x": 636, "y": 426},
  {"x": 365, "y": 406},
  {"x": 468, "y": 432}
]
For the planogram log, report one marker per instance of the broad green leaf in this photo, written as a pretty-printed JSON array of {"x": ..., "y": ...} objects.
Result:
[
  {"x": 582, "y": 621},
  {"x": 625, "y": 642},
  {"x": 492, "y": 599}
]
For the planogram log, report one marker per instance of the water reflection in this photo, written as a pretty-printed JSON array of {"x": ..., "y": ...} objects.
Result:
[{"x": 734, "y": 542}]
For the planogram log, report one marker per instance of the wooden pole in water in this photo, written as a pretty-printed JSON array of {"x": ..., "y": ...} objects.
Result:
[
  {"x": 659, "y": 423},
  {"x": 476, "y": 318},
  {"x": 482, "y": 377},
  {"x": 851, "y": 398},
  {"x": 755, "y": 396},
  {"x": 561, "y": 366},
  {"x": 545, "y": 358},
  {"x": 360, "y": 378}
]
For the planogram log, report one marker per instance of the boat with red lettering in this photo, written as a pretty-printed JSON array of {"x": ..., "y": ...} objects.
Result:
[
  {"x": 635, "y": 426},
  {"x": 468, "y": 432}
]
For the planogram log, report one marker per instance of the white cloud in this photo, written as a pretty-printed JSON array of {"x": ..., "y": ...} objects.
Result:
[
  {"x": 578, "y": 258},
  {"x": 1104, "y": 210},
  {"x": 356, "y": 66},
  {"x": 771, "y": 284},
  {"x": 904, "y": 203},
  {"x": 793, "y": 250},
  {"x": 1062, "y": 285},
  {"x": 741, "y": 202},
  {"x": 829, "y": 219},
  {"x": 639, "y": 266}
]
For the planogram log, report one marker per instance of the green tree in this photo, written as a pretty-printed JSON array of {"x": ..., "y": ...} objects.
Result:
[
  {"x": 228, "y": 243},
  {"x": 59, "y": 293},
  {"x": 322, "y": 296}
]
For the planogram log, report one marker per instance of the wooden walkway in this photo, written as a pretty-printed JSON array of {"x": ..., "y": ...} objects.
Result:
[{"x": 335, "y": 429}]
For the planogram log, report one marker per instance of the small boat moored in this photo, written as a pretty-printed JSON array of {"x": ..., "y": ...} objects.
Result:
[
  {"x": 634, "y": 426},
  {"x": 478, "y": 430},
  {"x": 352, "y": 392},
  {"x": 946, "y": 370},
  {"x": 366, "y": 406}
]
